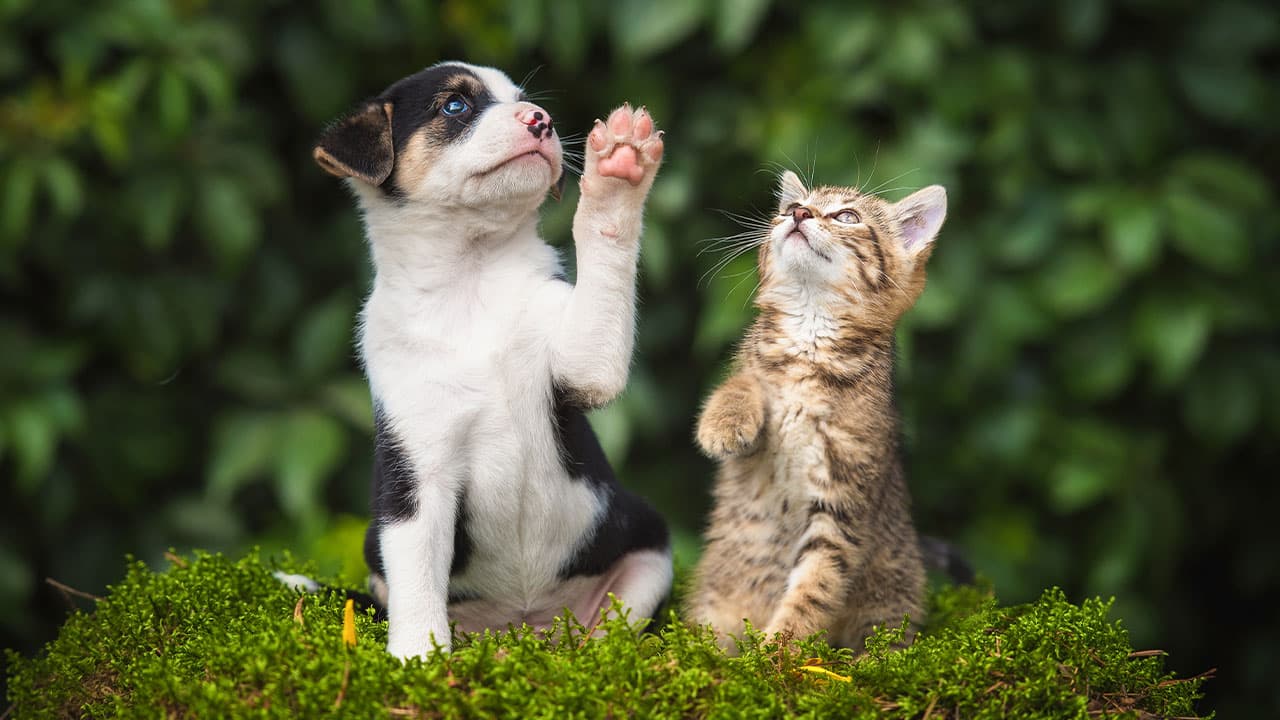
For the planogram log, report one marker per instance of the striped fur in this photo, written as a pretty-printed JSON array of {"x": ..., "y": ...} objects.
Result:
[{"x": 811, "y": 529}]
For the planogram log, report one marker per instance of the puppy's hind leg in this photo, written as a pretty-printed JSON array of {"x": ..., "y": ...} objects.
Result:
[{"x": 641, "y": 581}]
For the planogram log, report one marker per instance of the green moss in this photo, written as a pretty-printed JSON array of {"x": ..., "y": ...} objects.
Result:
[{"x": 212, "y": 637}]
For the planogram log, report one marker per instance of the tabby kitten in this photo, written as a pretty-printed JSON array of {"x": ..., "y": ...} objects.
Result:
[{"x": 811, "y": 528}]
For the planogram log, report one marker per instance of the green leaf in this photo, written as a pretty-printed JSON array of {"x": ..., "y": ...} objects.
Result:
[
  {"x": 348, "y": 398},
  {"x": 16, "y": 580},
  {"x": 526, "y": 20},
  {"x": 33, "y": 435},
  {"x": 17, "y": 202},
  {"x": 196, "y": 519},
  {"x": 568, "y": 44},
  {"x": 736, "y": 22},
  {"x": 324, "y": 338},
  {"x": 1132, "y": 233},
  {"x": 243, "y": 446},
  {"x": 228, "y": 221},
  {"x": 63, "y": 184},
  {"x": 1222, "y": 89},
  {"x": 254, "y": 374},
  {"x": 1226, "y": 180},
  {"x": 642, "y": 28},
  {"x": 1029, "y": 236},
  {"x": 656, "y": 256},
  {"x": 1222, "y": 404},
  {"x": 1172, "y": 331},
  {"x": 311, "y": 445},
  {"x": 157, "y": 203},
  {"x": 1007, "y": 432},
  {"x": 1207, "y": 233},
  {"x": 1078, "y": 281},
  {"x": 1095, "y": 361},
  {"x": 1082, "y": 21},
  {"x": 1075, "y": 484},
  {"x": 173, "y": 103},
  {"x": 212, "y": 80},
  {"x": 1235, "y": 28}
]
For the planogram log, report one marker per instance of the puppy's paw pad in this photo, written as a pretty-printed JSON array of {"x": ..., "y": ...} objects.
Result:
[
  {"x": 626, "y": 146},
  {"x": 623, "y": 163}
]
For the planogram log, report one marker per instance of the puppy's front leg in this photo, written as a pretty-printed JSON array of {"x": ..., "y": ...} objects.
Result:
[
  {"x": 593, "y": 341},
  {"x": 416, "y": 554}
]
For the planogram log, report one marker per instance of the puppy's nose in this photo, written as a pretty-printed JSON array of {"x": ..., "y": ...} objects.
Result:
[
  {"x": 536, "y": 120},
  {"x": 801, "y": 213}
]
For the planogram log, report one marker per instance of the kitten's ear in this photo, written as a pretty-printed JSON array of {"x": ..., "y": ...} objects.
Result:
[
  {"x": 359, "y": 145},
  {"x": 790, "y": 190},
  {"x": 920, "y": 216}
]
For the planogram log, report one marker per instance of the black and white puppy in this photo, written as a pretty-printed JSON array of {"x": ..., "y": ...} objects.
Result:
[{"x": 493, "y": 503}]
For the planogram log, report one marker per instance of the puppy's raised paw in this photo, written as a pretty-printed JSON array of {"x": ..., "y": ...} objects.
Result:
[{"x": 625, "y": 147}]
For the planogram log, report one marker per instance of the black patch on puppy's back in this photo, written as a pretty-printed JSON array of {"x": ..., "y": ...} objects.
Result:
[{"x": 629, "y": 524}]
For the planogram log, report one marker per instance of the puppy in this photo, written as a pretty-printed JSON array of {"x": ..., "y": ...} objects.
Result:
[{"x": 493, "y": 504}]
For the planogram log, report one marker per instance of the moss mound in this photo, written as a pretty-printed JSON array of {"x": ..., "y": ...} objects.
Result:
[{"x": 213, "y": 637}]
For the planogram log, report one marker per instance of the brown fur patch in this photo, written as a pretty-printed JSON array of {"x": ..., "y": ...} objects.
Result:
[{"x": 416, "y": 158}]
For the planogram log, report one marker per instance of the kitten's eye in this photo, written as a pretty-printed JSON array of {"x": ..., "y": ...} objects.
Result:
[
  {"x": 454, "y": 106},
  {"x": 848, "y": 217}
]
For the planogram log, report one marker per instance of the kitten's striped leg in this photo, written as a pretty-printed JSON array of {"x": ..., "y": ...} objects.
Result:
[{"x": 818, "y": 585}]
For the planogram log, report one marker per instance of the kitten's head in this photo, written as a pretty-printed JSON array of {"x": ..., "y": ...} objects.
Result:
[{"x": 838, "y": 243}]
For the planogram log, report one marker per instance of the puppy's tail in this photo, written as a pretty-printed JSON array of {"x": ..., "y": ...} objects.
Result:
[
  {"x": 946, "y": 559},
  {"x": 304, "y": 584}
]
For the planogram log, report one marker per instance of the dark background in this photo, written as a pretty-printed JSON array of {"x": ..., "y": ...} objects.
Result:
[{"x": 1091, "y": 382}]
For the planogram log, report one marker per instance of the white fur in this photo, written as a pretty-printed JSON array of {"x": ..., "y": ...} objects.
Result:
[
  {"x": 462, "y": 337},
  {"x": 301, "y": 583}
]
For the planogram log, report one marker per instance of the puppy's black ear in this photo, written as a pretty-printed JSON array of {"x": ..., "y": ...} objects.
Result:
[
  {"x": 557, "y": 190},
  {"x": 359, "y": 145}
]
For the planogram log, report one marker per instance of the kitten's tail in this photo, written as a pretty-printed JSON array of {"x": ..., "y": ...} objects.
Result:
[
  {"x": 304, "y": 584},
  {"x": 944, "y": 558}
]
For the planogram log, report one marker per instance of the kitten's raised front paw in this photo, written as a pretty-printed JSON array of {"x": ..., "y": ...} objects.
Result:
[
  {"x": 728, "y": 429},
  {"x": 626, "y": 147}
]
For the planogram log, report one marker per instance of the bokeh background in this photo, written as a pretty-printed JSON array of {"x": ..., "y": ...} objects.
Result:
[{"x": 1091, "y": 382}]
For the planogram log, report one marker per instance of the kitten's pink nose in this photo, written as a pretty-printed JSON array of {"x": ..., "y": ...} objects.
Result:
[
  {"x": 536, "y": 120},
  {"x": 801, "y": 213}
]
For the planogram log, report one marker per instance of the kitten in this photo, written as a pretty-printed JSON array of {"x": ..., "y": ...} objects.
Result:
[{"x": 811, "y": 528}]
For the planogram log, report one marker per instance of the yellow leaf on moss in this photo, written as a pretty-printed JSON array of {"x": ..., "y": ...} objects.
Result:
[
  {"x": 823, "y": 671},
  {"x": 349, "y": 624}
]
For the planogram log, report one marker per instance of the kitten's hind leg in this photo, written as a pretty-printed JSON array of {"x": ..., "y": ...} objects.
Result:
[
  {"x": 725, "y": 617},
  {"x": 888, "y": 593}
]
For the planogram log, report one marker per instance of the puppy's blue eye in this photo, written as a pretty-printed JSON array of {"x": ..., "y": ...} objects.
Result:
[{"x": 455, "y": 106}]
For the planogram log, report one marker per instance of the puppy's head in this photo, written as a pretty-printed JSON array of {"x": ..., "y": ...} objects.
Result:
[{"x": 451, "y": 135}]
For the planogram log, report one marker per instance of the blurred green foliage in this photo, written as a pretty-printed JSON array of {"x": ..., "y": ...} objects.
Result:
[{"x": 1091, "y": 382}]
